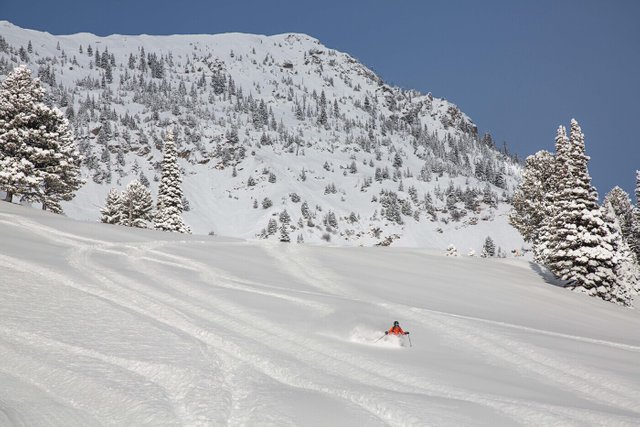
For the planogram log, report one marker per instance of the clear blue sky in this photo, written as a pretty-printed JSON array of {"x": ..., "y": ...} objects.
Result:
[{"x": 517, "y": 68}]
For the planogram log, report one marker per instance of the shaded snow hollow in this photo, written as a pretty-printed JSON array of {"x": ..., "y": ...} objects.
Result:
[{"x": 105, "y": 325}]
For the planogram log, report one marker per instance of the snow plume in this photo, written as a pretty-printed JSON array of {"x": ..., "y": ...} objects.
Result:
[{"x": 370, "y": 336}]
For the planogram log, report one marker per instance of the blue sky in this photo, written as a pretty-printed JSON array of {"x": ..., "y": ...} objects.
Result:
[{"x": 517, "y": 68}]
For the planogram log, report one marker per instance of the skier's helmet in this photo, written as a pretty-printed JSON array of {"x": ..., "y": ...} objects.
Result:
[{"x": 396, "y": 323}]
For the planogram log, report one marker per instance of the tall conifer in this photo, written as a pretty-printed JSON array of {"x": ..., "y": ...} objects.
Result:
[
  {"x": 169, "y": 206},
  {"x": 580, "y": 246}
]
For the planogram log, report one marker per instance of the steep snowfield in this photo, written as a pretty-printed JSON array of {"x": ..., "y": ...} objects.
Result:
[{"x": 114, "y": 326}]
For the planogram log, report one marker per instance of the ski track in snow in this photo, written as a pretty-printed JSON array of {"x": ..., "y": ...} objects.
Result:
[
  {"x": 523, "y": 356},
  {"x": 242, "y": 347}
]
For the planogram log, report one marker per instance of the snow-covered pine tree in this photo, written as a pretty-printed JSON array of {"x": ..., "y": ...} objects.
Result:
[
  {"x": 488, "y": 248},
  {"x": 627, "y": 270},
  {"x": 284, "y": 217},
  {"x": 112, "y": 210},
  {"x": 530, "y": 201},
  {"x": 60, "y": 172},
  {"x": 284, "y": 233},
  {"x": 272, "y": 226},
  {"x": 169, "y": 206},
  {"x": 634, "y": 242},
  {"x": 137, "y": 205},
  {"x": 38, "y": 158},
  {"x": 622, "y": 209},
  {"x": 579, "y": 242},
  {"x": 545, "y": 237},
  {"x": 19, "y": 95}
]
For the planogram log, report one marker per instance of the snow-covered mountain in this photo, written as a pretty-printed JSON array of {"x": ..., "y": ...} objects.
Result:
[
  {"x": 265, "y": 124},
  {"x": 105, "y": 325}
]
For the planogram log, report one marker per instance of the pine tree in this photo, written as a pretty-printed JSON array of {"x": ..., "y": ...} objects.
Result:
[
  {"x": 38, "y": 158},
  {"x": 232, "y": 152},
  {"x": 627, "y": 270},
  {"x": 579, "y": 242},
  {"x": 545, "y": 237},
  {"x": 60, "y": 173},
  {"x": 322, "y": 117},
  {"x": 304, "y": 210},
  {"x": 530, "y": 203},
  {"x": 634, "y": 242},
  {"x": 622, "y": 209},
  {"x": 489, "y": 248},
  {"x": 19, "y": 95},
  {"x": 284, "y": 217},
  {"x": 397, "y": 160},
  {"x": 284, "y": 233},
  {"x": 169, "y": 206},
  {"x": 112, "y": 211},
  {"x": 137, "y": 205},
  {"x": 272, "y": 226}
]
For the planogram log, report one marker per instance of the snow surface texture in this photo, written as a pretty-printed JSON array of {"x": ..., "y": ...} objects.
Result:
[
  {"x": 107, "y": 325},
  {"x": 375, "y": 123}
]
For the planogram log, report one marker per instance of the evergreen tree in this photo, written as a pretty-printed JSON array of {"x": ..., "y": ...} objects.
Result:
[
  {"x": 627, "y": 270},
  {"x": 284, "y": 233},
  {"x": 232, "y": 152},
  {"x": 530, "y": 203},
  {"x": 61, "y": 172},
  {"x": 634, "y": 242},
  {"x": 169, "y": 206},
  {"x": 580, "y": 243},
  {"x": 137, "y": 205},
  {"x": 272, "y": 226},
  {"x": 304, "y": 210},
  {"x": 112, "y": 211},
  {"x": 284, "y": 217},
  {"x": 622, "y": 209},
  {"x": 38, "y": 159},
  {"x": 397, "y": 160},
  {"x": 489, "y": 248},
  {"x": 19, "y": 95},
  {"x": 559, "y": 167}
]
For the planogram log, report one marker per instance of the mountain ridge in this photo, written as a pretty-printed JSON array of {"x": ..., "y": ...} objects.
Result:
[{"x": 292, "y": 101}]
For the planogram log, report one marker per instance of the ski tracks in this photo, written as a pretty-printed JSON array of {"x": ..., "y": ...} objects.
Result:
[
  {"x": 128, "y": 295},
  {"x": 498, "y": 348},
  {"x": 212, "y": 322},
  {"x": 532, "y": 361}
]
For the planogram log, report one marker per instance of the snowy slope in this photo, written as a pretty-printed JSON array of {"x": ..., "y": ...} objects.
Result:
[
  {"x": 103, "y": 325},
  {"x": 120, "y": 126}
]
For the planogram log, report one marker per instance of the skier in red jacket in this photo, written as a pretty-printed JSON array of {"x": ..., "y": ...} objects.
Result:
[{"x": 396, "y": 329}]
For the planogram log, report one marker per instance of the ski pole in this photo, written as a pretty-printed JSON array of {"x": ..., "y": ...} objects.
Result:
[
  {"x": 380, "y": 338},
  {"x": 408, "y": 336}
]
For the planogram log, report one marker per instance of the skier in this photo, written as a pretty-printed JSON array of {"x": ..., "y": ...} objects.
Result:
[{"x": 396, "y": 330}]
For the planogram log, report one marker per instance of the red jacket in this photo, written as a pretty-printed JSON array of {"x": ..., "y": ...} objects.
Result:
[{"x": 396, "y": 330}]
